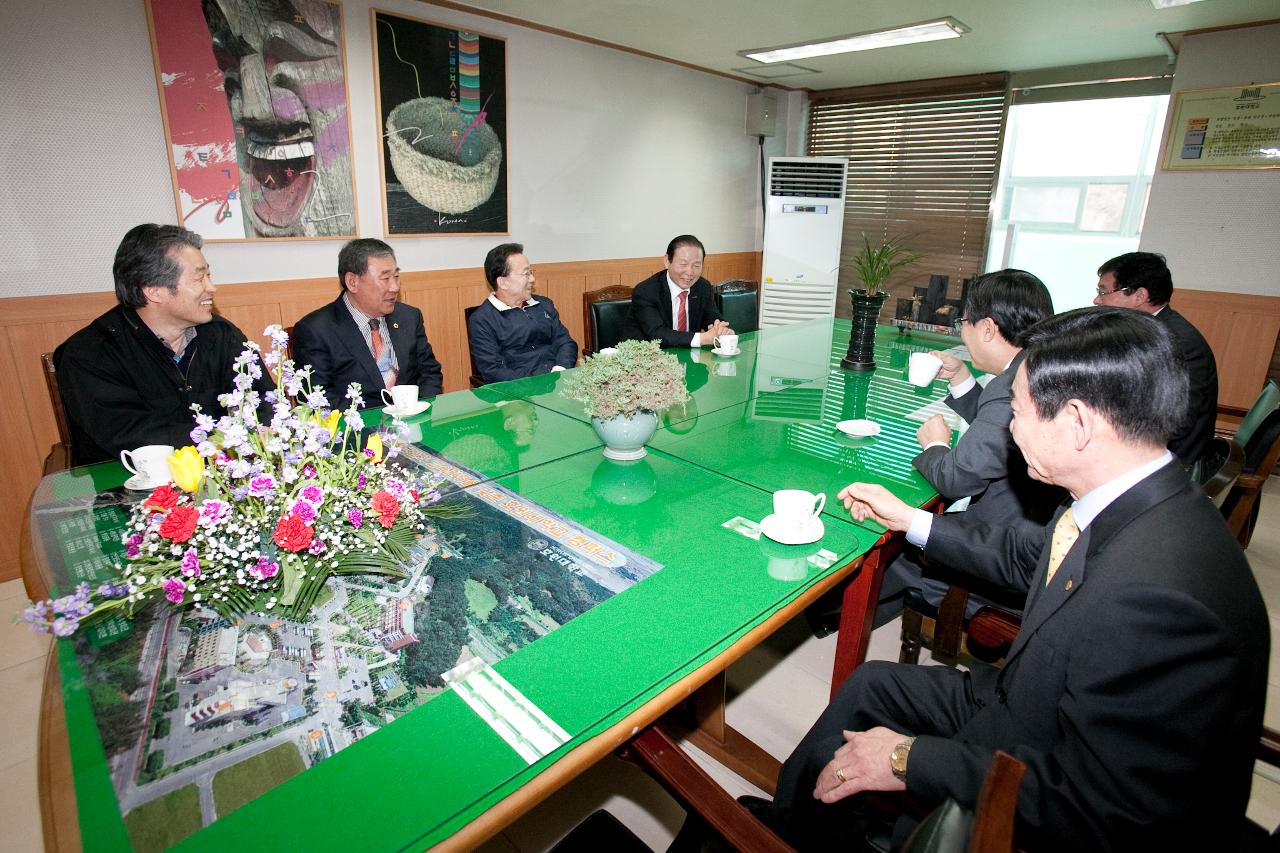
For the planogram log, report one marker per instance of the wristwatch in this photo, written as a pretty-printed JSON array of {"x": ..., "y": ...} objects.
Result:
[{"x": 898, "y": 760}]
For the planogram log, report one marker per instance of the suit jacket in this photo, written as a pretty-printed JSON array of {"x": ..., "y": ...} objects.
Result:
[
  {"x": 650, "y": 318},
  {"x": 1193, "y": 440},
  {"x": 329, "y": 341},
  {"x": 1134, "y": 692},
  {"x": 985, "y": 464}
]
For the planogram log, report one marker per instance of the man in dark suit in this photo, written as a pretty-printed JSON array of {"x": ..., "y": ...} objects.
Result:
[
  {"x": 1134, "y": 692},
  {"x": 1141, "y": 280},
  {"x": 512, "y": 334},
  {"x": 367, "y": 335},
  {"x": 676, "y": 307},
  {"x": 985, "y": 465}
]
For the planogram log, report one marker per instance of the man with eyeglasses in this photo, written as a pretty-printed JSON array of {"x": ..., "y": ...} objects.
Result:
[
  {"x": 367, "y": 335},
  {"x": 676, "y": 306},
  {"x": 512, "y": 334},
  {"x": 1141, "y": 280}
]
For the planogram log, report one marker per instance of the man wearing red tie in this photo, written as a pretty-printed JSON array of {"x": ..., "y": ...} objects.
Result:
[
  {"x": 1135, "y": 689},
  {"x": 367, "y": 335},
  {"x": 676, "y": 307}
]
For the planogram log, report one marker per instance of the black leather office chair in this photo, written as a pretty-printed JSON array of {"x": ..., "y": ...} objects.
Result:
[
  {"x": 604, "y": 312},
  {"x": 739, "y": 304},
  {"x": 476, "y": 381}
]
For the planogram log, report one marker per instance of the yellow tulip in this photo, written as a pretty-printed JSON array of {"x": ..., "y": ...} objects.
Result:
[
  {"x": 187, "y": 468},
  {"x": 375, "y": 444},
  {"x": 330, "y": 423}
]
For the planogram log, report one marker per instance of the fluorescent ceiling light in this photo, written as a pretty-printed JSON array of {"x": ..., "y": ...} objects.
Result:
[
  {"x": 1169, "y": 4},
  {"x": 935, "y": 30}
]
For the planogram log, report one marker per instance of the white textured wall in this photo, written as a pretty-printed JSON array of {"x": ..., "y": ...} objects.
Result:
[
  {"x": 610, "y": 154},
  {"x": 1220, "y": 229}
]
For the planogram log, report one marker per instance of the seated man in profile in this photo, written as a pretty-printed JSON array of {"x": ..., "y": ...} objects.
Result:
[
  {"x": 676, "y": 307},
  {"x": 1141, "y": 281},
  {"x": 512, "y": 334},
  {"x": 367, "y": 335},
  {"x": 1134, "y": 692},
  {"x": 130, "y": 377},
  {"x": 985, "y": 465}
]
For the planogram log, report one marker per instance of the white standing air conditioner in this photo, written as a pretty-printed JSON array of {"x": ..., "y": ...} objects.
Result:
[{"x": 803, "y": 227}]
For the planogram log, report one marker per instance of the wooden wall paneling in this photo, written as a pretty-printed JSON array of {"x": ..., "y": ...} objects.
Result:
[
  {"x": 1242, "y": 330},
  {"x": 252, "y": 319},
  {"x": 566, "y": 291},
  {"x": 26, "y": 343}
]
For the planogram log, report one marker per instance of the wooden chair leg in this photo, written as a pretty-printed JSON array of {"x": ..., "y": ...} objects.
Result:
[{"x": 912, "y": 628}]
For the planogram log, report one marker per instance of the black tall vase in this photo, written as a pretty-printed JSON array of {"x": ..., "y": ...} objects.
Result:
[{"x": 862, "y": 337}]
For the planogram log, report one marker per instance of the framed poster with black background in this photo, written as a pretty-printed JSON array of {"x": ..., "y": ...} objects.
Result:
[{"x": 442, "y": 103}]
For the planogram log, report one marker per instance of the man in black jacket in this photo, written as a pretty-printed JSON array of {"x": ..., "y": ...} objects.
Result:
[
  {"x": 1135, "y": 689},
  {"x": 130, "y": 377},
  {"x": 676, "y": 307},
  {"x": 513, "y": 334},
  {"x": 1141, "y": 280}
]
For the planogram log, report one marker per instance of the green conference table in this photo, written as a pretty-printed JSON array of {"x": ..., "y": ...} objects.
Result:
[{"x": 440, "y": 774}]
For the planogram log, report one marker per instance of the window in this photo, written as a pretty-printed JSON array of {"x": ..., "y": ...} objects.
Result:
[
  {"x": 923, "y": 162},
  {"x": 1073, "y": 189}
]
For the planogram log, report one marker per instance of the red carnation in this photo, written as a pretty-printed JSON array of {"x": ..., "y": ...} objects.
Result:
[
  {"x": 180, "y": 523},
  {"x": 413, "y": 493},
  {"x": 292, "y": 533},
  {"x": 165, "y": 497},
  {"x": 384, "y": 502}
]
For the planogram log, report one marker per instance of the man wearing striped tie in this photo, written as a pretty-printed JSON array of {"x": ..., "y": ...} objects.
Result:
[
  {"x": 1134, "y": 692},
  {"x": 367, "y": 335}
]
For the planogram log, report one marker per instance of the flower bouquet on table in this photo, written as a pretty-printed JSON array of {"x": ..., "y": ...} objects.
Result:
[{"x": 270, "y": 501}]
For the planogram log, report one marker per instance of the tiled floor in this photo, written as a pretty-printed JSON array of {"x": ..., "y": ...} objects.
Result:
[{"x": 778, "y": 690}]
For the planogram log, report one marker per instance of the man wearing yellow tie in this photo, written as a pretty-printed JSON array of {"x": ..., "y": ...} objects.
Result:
[{"x": 1134, "y": 692}]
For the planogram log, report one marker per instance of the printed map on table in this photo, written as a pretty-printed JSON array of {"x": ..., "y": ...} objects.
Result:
[{"x": 198, "y": 715}]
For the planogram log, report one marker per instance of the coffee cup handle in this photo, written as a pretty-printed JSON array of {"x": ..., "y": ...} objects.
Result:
[
  {"x": 716, "y": 342},
  {"x": 821, "y": 502},
  {"x": 387, "y": 398},
  {"x": 126, "y": 459}
]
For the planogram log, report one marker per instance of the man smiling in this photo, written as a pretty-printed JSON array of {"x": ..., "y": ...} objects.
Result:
[
  {"x": 129, "y": 378},
  {"x": 676, "y": 306},
  {"x": 367, "y": 335}
]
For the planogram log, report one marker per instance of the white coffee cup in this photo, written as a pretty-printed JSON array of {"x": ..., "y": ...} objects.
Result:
[
  {"x": 149, "y": 462},
  {"x": 923, "y": 368},
  {"x": 726, "y": 343},
  {"x": 795, "y": 507},
  {"x": 401, "y": 397}
]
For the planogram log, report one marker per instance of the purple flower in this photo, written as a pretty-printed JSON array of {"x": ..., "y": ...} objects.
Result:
[
  {"x": 132, "y": 550},
  {"x": 356, "y": 517},
  {"x": 108, "y": 590},
  {"x": 264, "y": 570},
  {"x": 396, "y": 488},
  {"x": 313, "y": 495},
  {"x": 361, "y": 480},
  {"x": 190, "y": 564},
  {"x": 304, "y": 511},
  {"x": 212, "y": 511},
  {"x": 239, "y": 493},
  {"x": 262, "y": 485},
  {"x": 173, "y": 590},
  {"x": 317, "y": 547},
  {"x": 309, "y": 471},
  {"x": 63, "y": 627}
]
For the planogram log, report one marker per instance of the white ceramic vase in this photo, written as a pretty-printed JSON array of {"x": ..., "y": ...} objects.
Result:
[{"x": 625, "y": 436}]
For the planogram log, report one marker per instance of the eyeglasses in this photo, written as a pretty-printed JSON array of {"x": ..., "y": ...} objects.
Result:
[
  {"x": 526, "y": 274},
  {"x": 1101, "y": 292}
]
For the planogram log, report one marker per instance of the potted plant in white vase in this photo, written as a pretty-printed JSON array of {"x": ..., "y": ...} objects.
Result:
[
  {"x": 874, "y": 265},
  {"x": 624, "y": 390}
]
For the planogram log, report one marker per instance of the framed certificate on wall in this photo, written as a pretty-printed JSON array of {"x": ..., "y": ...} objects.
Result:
[{"x": 1229, "y": 127}]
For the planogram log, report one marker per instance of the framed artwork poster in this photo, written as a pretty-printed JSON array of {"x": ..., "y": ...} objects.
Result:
[
  {"x": 1229, "y": 127},
  {"x": 253, "y": 95},
  {"x": 442, "y": 107}
]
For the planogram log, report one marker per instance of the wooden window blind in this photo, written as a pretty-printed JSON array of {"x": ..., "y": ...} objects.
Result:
[{"x": 924, "y": 158}]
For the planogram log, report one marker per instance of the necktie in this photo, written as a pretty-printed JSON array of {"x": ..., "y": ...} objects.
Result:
[
  {"x": 1065, "y": 534},
  {"x": 380, "y": 356},
  {"x": 682, "y": 318}
]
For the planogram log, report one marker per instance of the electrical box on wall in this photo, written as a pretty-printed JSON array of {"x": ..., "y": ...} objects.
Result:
[{"x": 762, "y": 114}]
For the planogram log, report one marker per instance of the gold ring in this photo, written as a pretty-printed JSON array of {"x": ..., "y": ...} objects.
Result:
[{"x": 840, "y": 775}]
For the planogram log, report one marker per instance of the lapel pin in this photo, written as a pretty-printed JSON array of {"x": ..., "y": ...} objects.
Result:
[
  {"x": 395, "y": 325},
  {"x": 1069, "y": 582}
]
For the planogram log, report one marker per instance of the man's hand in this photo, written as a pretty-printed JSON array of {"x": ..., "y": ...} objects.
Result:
[
  {"x": 869, "y": 501},
  {"x": 953, "y": 369},
  {"x": 862, "y": 764},
  {"x": 936, "y": 429},
  {"x": 715, "y": 330}
]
